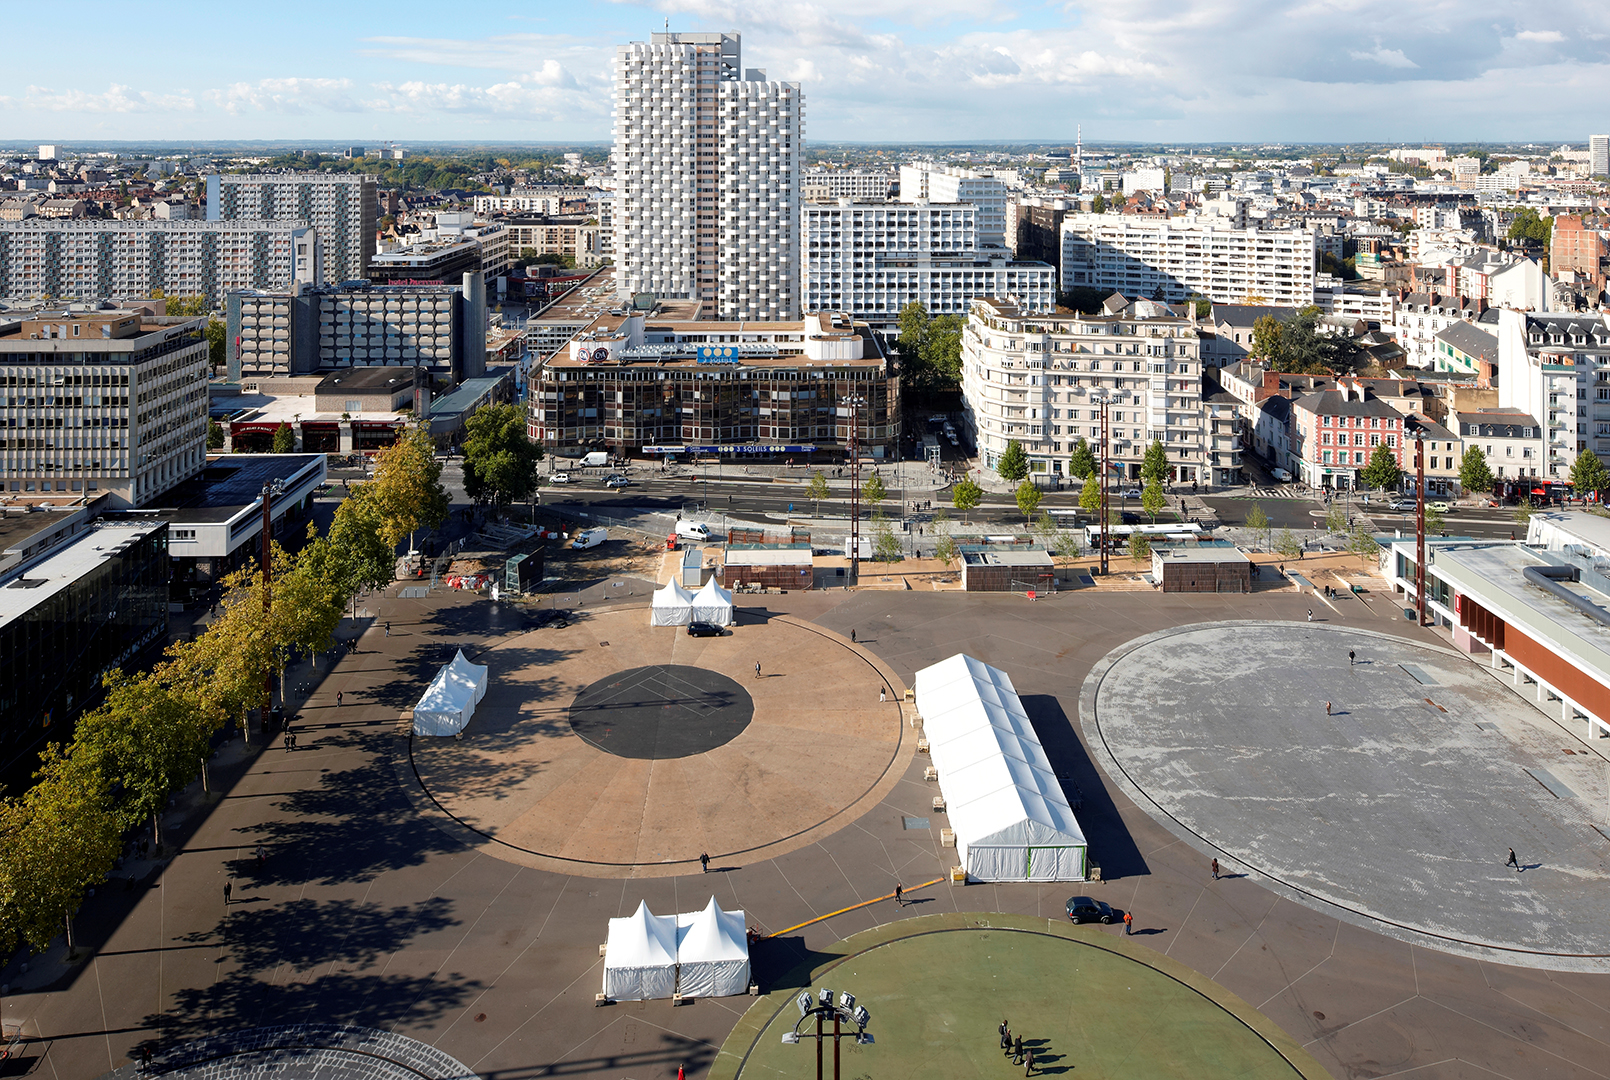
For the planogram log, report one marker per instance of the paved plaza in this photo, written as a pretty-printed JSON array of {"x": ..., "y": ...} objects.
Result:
[
  {"x": 1394, "y": 808},
  {"x": 375, "y": 908}
]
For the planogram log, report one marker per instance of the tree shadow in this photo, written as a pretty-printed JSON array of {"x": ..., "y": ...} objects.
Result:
[
  {"x": 1111, "y": 845},
  {"x": 304, "y": 934}
]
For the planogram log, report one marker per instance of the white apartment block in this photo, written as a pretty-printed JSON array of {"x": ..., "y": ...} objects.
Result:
[
  {"x": 1599, "y": 155},
  {"x": 1037, "y": 379},
  {"x": 342, "y": 208},
  {"x": 857, "y": 185},
  {"x": 539, "y": 199},
  {"x": 1420, "y": 317},
  {"x": 707, "y": 177},
  {"x": 102, "y": 403},
  {"x": 1556, "y": 367},
  {"x": 950, "y": 184},
  {"x": 578, "y": 239},
  {"x": 872, "y": 259},
  {"x": 1171, "y": 260},
  {"x": 87, "y": 260}
]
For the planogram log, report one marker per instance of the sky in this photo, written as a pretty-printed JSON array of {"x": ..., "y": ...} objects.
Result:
[{"x": 1187, "y": 71}]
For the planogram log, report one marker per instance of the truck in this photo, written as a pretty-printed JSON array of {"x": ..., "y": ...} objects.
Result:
[
  {"x": 595, "y": 458},
  {"x": 589, "y": 538}
]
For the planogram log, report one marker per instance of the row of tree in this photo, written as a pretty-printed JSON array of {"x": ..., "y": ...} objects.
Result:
[{"x": 152, "y": 733}]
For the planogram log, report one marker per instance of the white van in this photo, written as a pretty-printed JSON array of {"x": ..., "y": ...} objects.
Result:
[
  {"x": 692, "y": 530},
  {"x": 595, "y": 458},
  {"x": 589, "y": 538}
]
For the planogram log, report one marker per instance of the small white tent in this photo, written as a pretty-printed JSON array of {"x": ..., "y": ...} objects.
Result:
[
  {"x": 1011, "y": 819},
  {"x": 712, "y": 952},
  {"x": 449, "y": 701},
  {"x": 713, "y": 604},
  {"x": 640, "y": 956},
  {"x": 671, "y": 606}
]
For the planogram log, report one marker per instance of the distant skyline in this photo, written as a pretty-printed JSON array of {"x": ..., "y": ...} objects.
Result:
[{"x": 873, "y": 70}]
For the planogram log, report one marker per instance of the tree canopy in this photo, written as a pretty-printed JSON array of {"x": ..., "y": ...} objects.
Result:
[
  {"x": 1295, "y": 345},
  {"x": 1588, "y": 474},
  {"x": 1154, "y": 466},
  {"x": 500, "y": 460},
  {"x": 1527, "y": 226},
  {"x": 930, "y": 348},
  {"x": 1014, "y": 463},
  {"x": 1028, "y": 499},
  {"x": 966, "y": 495},
  {"x": 407, "y": 487},
  {"x": 1474, "y": 472},
  {"x": 1082, "y": 462},
  {"x": 1383, "y": 470}
]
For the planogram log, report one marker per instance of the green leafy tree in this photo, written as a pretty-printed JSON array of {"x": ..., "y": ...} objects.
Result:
[
  {"x": 1382, "y": 471},
  {"x": 1098, "y": 205},
  {"x": 885, "y": 544},
  {"x": 1588, "y": 474},
  {"x": 1154, "y": 466},
  {"x": 817, "y": 490},
  {"x": 1082, "y": 463},
  {"x": 500, "y": 460},
  {"x": 1474, "y": 474},
  {"x": 407, "y": 487},
  {"x": 1140, "y": 547},
  {"x": 966, "y": 496},
  {"x": 1013, "y": 464},
  {"x": 1266, "y": 335},
  {"x": 1288, "y": 544},
  {"x": 872, "y": 490},
  {"x": 1528, "y": 226},
  {"x": 1258, "y": 523},
  {"x": 1152, "y": 500},
  {"x": 1028, "y": 499},
  {"x": 1090, "y": 494},
  {"x": 942, "y": 351},
  {"x": 356, "y": 542},
  {"x": 945, "y": 549},
  {"x": 284, "y": 439},
  {"x": 217, "y": 335},
  {"x": 215, "y": 435},
  {"x": 1435, "y": 522},
  {"x": 187, "y": 307},
  {"x": 1363, "y": 545},
  {"x": 1336, "y": 520},
  {"x": 1524, "y": 510}
]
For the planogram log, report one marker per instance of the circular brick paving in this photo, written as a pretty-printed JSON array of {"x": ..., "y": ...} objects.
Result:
[
  {"x": 296, "y": 1051},
  {"x": 612, "y": 748}
]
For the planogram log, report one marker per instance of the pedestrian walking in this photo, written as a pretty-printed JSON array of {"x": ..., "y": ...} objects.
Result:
[
  {"x": 1513, "y": 861},
  {"x": 229, "y": 888},
  {"x": 704, "y": 862},
  {"x": 388, "y": 628},
  {"x": 1028, "y": 1062},
  {"x": 1017, "y": 1050},
  {"x": 899, "y": 895},
  {"x": 262, "y": 856},
  {"x": 338, "y": 699},
  {"x": 1215, "y": 869},
  {"x": 1310, "y": 614},
  {"x": 882, "y": 695},
  {"x": 852, "y": 637},
  {"x": 290, "y": 740},
  {"x": 1001, "y": 1031},
  {"x": 1352, "y": 657},
  {"x": 757, "y": 669},
  {"x": 1327, "y": 708},
  {"x": 1129, "y": 923}
]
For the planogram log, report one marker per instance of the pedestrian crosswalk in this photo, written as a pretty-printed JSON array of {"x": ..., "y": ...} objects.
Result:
[{"x": 1283, "y": 491}]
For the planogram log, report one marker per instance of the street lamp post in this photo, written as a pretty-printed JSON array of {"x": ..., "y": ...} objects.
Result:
[{"x": 822, "y": 1008}]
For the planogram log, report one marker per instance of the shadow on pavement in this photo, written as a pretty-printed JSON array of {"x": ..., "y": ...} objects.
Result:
[{"x": 1111, "y": 846}]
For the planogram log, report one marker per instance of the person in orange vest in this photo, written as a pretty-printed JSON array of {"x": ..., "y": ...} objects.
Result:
[{"x": 1129, "y": 923}]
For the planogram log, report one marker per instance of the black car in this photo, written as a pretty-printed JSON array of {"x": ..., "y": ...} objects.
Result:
[
  {"x": 1084, "y": 909},
  {"x": 1129, "y": 517},
  {"x": 558, "y": 618},
  {"x": 703, "y": 629}
]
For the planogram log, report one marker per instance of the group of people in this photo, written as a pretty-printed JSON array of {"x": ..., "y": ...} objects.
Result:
[{"x": 1012, "y": 1046}]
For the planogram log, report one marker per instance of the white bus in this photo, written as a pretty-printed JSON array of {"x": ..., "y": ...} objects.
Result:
[{"x": 1118, "y": 535}]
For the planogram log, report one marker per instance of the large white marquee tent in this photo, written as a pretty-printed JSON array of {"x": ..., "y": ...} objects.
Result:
[
  {"x": 450, "y": 699},
  {"x": 671, "y": 606},
  {"x": 695, "y": 954},
  {"x": 713, "y": 604},
  {"x": 1011, "y": 820}
]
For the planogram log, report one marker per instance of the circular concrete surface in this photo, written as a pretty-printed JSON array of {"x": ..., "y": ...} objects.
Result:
[
  {"x": 1394, "y": 812},
  {"x": 1088, "y": 1002},
  {"x": 662, "y": 711},
  {"x": 818, "y": 750},
  {"x": 326, "y": 1051}
]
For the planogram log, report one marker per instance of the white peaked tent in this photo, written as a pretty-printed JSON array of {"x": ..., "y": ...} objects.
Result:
[
  {"x": 450, "y": 699},
  {"x": 713, "y": 604},
  {"x": 672, "y": 606},
  {"x": 640, "y": 956},
  {"x": 712, "y": 951},
  {"x": 1012, "y": 821}
]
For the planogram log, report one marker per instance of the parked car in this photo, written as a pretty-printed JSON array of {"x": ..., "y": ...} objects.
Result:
[
  {"x": 559, "y": 478},
  {"x": 1280, "y": 474},
  {"x": 1130, "y": 493},
  {"x": 617, "y": 481},
  {"x": 1129, "y": 517},
  {"x": 1085, "y": 909},
  {"x": 1400, "y": 504},
  {"x": 1440, "y": 507},
  {"x": 703, "y": 629}
]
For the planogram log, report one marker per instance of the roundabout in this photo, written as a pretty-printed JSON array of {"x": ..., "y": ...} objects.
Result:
[
  {"x": 1089, "y": 1003},
  {"x": 612, "y": 748},
  {"x": 1384, "y": 787}
]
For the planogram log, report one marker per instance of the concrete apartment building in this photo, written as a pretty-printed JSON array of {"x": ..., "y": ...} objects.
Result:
[
  {"x": 871, "y": 259},
  {"x": 950, "y": 184},
  {"x": 280, "y": 334},
  {"x": 1037, "y": 378},
  {"x": 1421, "y": 316},
  {"x": 88, "y": 260},
  {"x": 857, "y": 185},
  {"x": 1599, "y": 155},
  {"x": 576, "y": 237},
  {"x": 707, "y": 177},
  {"x": 536, "y": 199},
  {"x": 1174, "y": 259},
  {"x": 1556, "y": 367},
  {"x": 341, "y": 207},
  {"x": 109, "y": 403},
  {"x": 1334, "y": 432},
  {"x": 737, "y": 389}
]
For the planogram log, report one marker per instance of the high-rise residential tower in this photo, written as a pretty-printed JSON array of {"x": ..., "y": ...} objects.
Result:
[
  {"x": 707, "y": 178},
  {"x": 1599, "y": 155},
  {"x": 341, "y": 208}
]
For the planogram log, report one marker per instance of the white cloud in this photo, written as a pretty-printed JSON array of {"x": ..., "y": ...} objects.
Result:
[
  {"x": 1392, "y": 58},
  {"x": 117, "y": 98},
  {"x": 1543, "y": 37},
  {"x": 507, "y": 99},
  {"x": 289, "y": 95}
]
